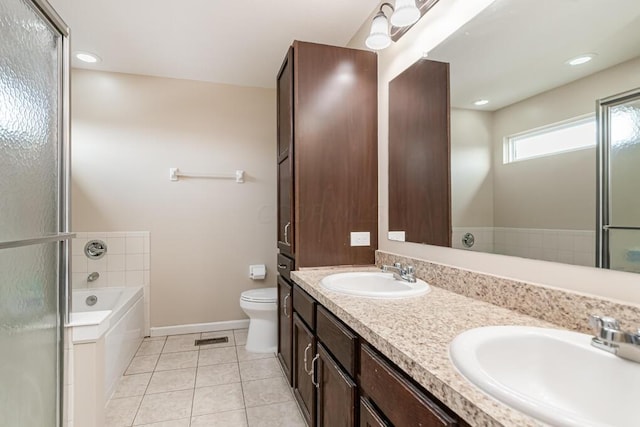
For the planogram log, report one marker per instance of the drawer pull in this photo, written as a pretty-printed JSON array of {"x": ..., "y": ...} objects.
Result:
[
  {"x": 308, "y": 371},
  {"x": 284, "y": 305},
  {"x": 313, "y": 371},
  {"x": 282, "y": 266}
]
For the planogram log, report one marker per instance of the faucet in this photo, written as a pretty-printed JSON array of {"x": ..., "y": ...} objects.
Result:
[
  {"x": 609, "y": 337},
  {"x": 404, "y": 273},
  {"x": 93, "y": 276}
]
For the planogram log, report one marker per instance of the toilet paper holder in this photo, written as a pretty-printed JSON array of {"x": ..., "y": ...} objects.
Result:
[{"x": 257, "y": 271}]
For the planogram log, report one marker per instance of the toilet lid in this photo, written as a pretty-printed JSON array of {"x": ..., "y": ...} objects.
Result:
[{"x": 260, "y": 295}]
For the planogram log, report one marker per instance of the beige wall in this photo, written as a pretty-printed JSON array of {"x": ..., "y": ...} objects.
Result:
[
  {"x": 392, "y": 61},
  {"x": 556, "y": 191},
  {"x": 127, "y": 131},
  {"x": 471, "y": 174}
]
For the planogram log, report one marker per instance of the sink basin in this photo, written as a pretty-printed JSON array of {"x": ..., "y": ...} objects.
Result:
[
  {"x": 374, "y": 285},
  {"x": 553, "y": 375}
]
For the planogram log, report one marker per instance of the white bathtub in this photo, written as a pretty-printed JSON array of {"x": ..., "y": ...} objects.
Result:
[{"x": 115, "y": 327}]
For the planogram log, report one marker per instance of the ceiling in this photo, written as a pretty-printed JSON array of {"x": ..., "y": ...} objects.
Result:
[
  {"x": 518, "y": 48},
  {"x": 240, "y": 42}
]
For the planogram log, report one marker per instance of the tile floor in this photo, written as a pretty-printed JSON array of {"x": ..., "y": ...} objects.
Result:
[{"x": 172, "y": 383}]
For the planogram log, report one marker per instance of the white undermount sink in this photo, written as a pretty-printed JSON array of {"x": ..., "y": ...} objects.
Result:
[
  {"x": 553, "y": 375},
  {"x": 371, "y": 284}
]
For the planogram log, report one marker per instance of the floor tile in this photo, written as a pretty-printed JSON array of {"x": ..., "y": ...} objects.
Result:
[
  {"x": 178, "y": 379},
  {"x": 174, "y": 405},
  {"x": 177, "y": 343},
  {"x": 244, "y": 355},
  {"x": 266, "y": 392},
  {"x": 174, "y": 423},
  {"x": 141, "y": 364},
  {"x": 216, "y": 356},
  {"x": 219, "y": 398},
  {"x": 259, "y": 369},
  {"x": 148, "y": 348},
  {"x": 146, "y": 339},
  {"x": 121, "y": 412},
  {"x": 217, "y": 374},
  {"x": 240, "y": 336},
  {"x": 278, "y": 415},
  {"x": 180, "y": 360},
  {"x": 132, "y": 385},
  {"x": 221, "y": 419},
  {"x": 218, "y": 334}
]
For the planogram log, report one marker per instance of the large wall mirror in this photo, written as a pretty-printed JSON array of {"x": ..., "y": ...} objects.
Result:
[{"x": 525, "y": 76}]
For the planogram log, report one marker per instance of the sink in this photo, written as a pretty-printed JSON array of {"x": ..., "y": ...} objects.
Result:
[
  {"x": 553, "y": 375},
  {"x": 371, "y": 284}
]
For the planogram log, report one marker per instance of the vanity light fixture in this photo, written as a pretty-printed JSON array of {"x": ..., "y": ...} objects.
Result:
[
  {"x": 404, "y": 14},
  {"x": 582, "y": 59},
  {"x": 481, "y": 102},
  {"x": 87, "y": 57}
]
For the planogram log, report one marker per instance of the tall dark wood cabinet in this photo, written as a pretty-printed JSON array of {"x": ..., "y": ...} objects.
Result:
[{"x": 327, "y": 166}]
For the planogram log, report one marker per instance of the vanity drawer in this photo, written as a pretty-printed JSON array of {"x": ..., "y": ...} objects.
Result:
[
  {"x": 402, "y": 403},
  {"x": 338, "y": 338},
  {"x": 285, "y": 266},
  {"x": 305, "y": 306}
]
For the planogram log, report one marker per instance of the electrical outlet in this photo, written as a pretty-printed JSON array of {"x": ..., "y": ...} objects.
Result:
[
  {"x": 396, "y": 235},
  {"x": 360, "y": 238}
]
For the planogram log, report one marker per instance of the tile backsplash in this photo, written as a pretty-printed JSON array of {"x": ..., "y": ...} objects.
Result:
[{"x": 125, "y": 264}]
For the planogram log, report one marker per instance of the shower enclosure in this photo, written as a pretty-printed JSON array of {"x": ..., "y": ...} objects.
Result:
[
  {"x": 33, "y": 211},
  {"x": 618, "y": 244}
]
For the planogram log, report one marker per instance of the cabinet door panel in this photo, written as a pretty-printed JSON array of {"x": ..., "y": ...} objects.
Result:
[
  {"x": 304, "y": 347},
  {"x": 285, "y": 326},
  {"x": 285, "y": 200},
  {"x": 285, "y": 106},
  {"x": 337, "y": 393},
  {"x": 369, "y": 417}
]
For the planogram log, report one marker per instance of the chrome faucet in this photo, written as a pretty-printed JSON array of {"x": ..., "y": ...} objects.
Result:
[
  {"x": 610, "y": 338},
  {"x": 404, "y": 273}
]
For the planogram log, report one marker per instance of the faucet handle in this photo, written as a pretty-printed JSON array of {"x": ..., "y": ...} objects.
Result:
[
  {"x": 397, "y": 265},
  {"x": 410, "y": 269},
  {"x": 603, "y": 322}
]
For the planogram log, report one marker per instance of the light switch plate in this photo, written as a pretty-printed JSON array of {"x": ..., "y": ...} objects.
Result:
[
  {"x": 360, "y": 238},
  {"x": 396, "y": 235}
]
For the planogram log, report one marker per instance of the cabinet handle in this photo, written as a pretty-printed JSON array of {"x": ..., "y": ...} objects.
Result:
[
  {"x": 308, "y": 371},
  {"x": 284, "y": 305},
  {"x": 313, "y": 371},
  {"x": 286, "y": 233},
  {"x": 282, "y": 266}
]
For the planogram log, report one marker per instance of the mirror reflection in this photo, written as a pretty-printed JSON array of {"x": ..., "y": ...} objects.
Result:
[{"x": 525, "y": 76}]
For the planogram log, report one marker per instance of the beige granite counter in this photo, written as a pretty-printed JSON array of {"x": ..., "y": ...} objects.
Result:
[{"x": 415, "y": 334}]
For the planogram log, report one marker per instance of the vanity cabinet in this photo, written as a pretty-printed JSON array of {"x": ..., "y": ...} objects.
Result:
[
  {"x": 285, "y": 327},
  {"x": 342, "y": 381},
  {"x": 327, "y": 127}
]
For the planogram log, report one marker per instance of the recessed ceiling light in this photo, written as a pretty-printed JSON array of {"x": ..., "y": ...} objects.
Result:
[
  {"x": 481, "y": 102},
  {"x": 87, "y": 57},
  {"x": 582, "y": 59}
]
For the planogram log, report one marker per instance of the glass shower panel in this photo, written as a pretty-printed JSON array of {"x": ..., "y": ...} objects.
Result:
[
  {"x": 624, "y": 164},
  {"x": 624, "y": 250},
  {"x": 29, "y": 122},
  {"x": 28, "y": 335}
]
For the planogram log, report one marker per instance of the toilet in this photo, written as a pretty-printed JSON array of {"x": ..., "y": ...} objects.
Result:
[{"x": 260, "y": 305}]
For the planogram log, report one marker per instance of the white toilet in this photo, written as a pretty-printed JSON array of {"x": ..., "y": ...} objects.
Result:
[{"x": 260, "y": 305}]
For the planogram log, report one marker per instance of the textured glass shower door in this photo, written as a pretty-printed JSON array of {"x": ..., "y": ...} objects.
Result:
[
  {"x": 619, "y": 204},
  {"x": 32, "y": 212}
]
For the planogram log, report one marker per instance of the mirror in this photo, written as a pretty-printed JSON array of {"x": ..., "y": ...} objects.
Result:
[{"x": 516, "y": 55}]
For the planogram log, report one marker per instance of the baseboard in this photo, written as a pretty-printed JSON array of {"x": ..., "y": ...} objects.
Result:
[{"x": 199, "y": 327}]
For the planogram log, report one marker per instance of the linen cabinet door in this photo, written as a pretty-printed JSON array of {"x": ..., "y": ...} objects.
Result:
[
  {"x": 304, "y": 350},
  {"x": 285, "y": 327}
]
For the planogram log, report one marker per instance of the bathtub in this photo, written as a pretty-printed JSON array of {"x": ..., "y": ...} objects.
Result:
[{"x": 105, "y": 337}]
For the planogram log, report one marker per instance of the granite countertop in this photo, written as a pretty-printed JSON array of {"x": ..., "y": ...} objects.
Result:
[{"x": 415, "y": 334}]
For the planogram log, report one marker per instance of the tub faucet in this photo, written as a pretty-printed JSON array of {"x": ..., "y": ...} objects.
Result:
[
  {"x": 93, "y": 276},
  {"x": 609, "y": 337},
  {"x": 404, "y": 273}
]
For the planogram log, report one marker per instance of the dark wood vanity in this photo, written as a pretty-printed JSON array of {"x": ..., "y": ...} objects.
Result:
[
  {"x": 341, "y": 380},
  {"x": 327, "y": 158}
]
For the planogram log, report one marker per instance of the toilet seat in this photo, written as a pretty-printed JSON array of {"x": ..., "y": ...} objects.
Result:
[{"x": 264, "y": 295}]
